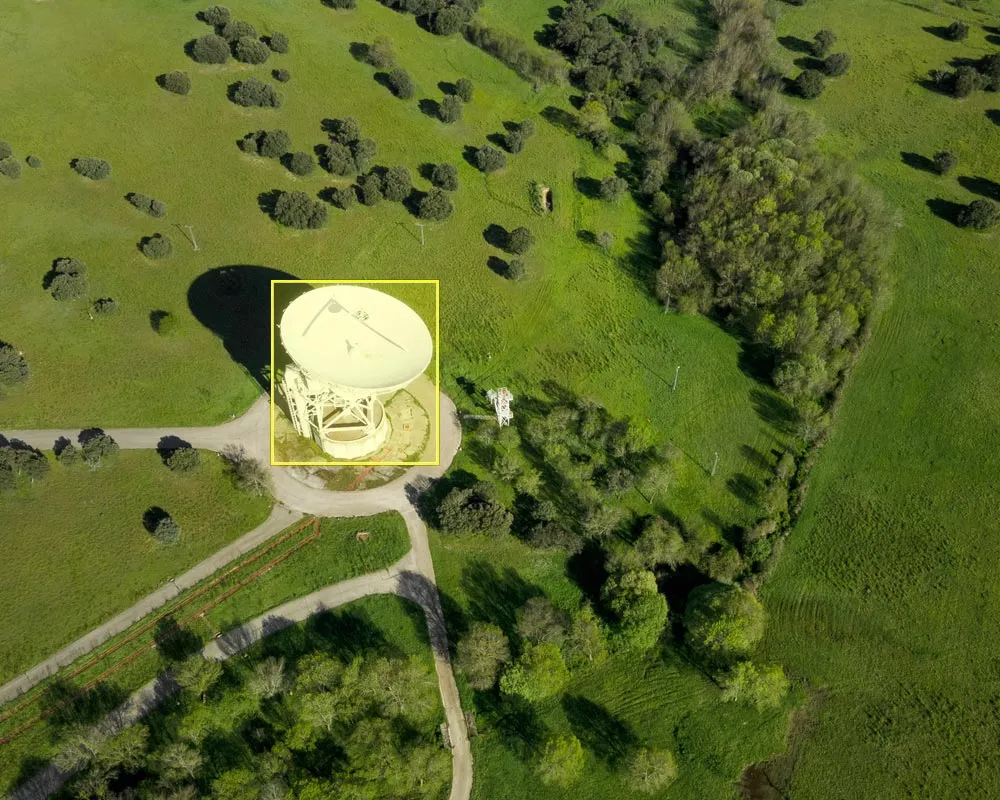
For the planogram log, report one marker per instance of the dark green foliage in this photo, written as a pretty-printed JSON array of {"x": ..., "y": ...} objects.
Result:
[
  {"x": 301, "y": 163},
  {"x": 445, "y": 176},
  {"x": 381, "y": 54},
  {"x": 34, "y": 162},
  {"x": 338, "y": 159},
  {"x": 450, "y": 109},
  {"x": 282, "y": 75},
  {"x": 401, "y": 83},
  {"x": 515, "y": 269},
  {"x": 346, "y": 131},
  {"x": 278, "y": 42},
  {"x": 957, "y": 31},
  {"x": 97, "y": 169},
  {"x": 10, "y": 167},
  {"x": 34, "y": 465},
  {"x": 236, "y": 29},
  {"x": 98, "y": 447},
  {"x": 8, "y": 482},
  {"x": 210, "y": 49},
  {"x": 435, "y": 205},
  {"x": 6, "y": 151},
  {"x": 489, "y": 159},
  {"x": 253, "y": 92},
  {"x": 105, "y": 306},
  {"x": 363, "y": 151},
  {"x": 13, "y": 366},
  {"x": 980, "y": 215},
  {"x": 474, "y": 510},
  {"x": 215, "y": 15},
  {"x": 342, "y": 197},
  {"x": 449, "y": 20},
  {"x": 967, "y": 80},
  {"x": 809, "y": 84},
  {"x": 397, "y": 184},
  {"x": 837, "y": 64},
  {"x": 519, "y": 241},
  {"x": 945, "y": 161},
  {"x": 346, "y": 4},
  {"x": 68, "y": 455},
  {"x": 274, "y": 144},
  {"x": 464, "y": 89},
  {"x": 147, "y": 204},
  {"x": 823, "y": 42},
  {"x": 612, "y": 188},
  {"x": 167, "y": 531},
  {"x": 163, "y": 322},
  {"x": 68, "y": 279},
  {"x": 250, "y": 143},
  {"x": 370, "y": 189},
  {"x": 511, "y": 51},
  {"x": 157, "y": 246},
  {"x": 299, "y": 210},
  {"x": 989, "y": 68},
  {"x": 640, "y": 610},
  {"x": 183, "y": 459},
  {"x": 251, "y": 50},
  {"x": 177, "y": 82}
]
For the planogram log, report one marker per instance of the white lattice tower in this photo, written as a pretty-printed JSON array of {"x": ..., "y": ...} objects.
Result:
[{"x": 501, "y": 399}]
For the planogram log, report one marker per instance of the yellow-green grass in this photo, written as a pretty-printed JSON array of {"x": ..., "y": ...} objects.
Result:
[
  {"x": 580, "y": 320},
  {"x": 75, "y": 551},
  {"x": 658, "y": 700},
  {"x": 336, "y": 555}
]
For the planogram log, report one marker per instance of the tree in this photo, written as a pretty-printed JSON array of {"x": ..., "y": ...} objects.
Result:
[
  {"x": 251, "y": 50},
  {"x": 539, "y": 673},
  {"x": 363, "y": 151},
  {"x": 380, "y": 54},
  {"x": 809, "y": 83},
  {"x": 945, "y": 161},
  {"x": 449, "y": 20},
  {"x": 958, "y": 31},
  {"x": 562, "y": 761},
  {"x": 104, "y": 306},
  {"x": 966, "y": 81},
  {"x": 178, "y": 762},
  {"x": 166, "y": 530},
  {"x": 68, "y": 285},
  {"x": 278, "y": 42},
  {"x": 639, "y": 608},
  {"x": 651, "y": 770},
  {"x": 282, "y": 75},
  {"x": 97, "y": 169},
  {"x": 346, "y": 131},
  {"x": 515, "y": 269},
  {"x": 301, "y": 163},
  {"x": 450, "y": 109},
  {"x": 723, "y": 621},
  {"x": 519, "y": 241},
  {"x": 989, "y": 68},
  {"x": 482, "y": 653},
  {"x": 474, "y": 510},
  {"x": 660, "y": 543},
  {"x": 342, "y": 197},
  {"x": 149, "y": 205},
  {"x": 13, "y": 365},
  {"x": 345, "y": 4},
  {"x": 210, "y": 49},
  {"x": 435, "y": 205},
  {"x": 157, "y": 246},
  {"x": 183, "y": 459},
  {"x": 370, "y": 189},
  {"x": 253, "y": 92},
  {"x": 464, "y": 89},
  {"x": 445, "y": 176},
  {"x": 68, "y": 455},
  {"x": 11, "y": 167},
  {"x": 215, "y": 15},
  {"x": 980, "y": 215},
  {"x": 274, "y": 144},
  {"x": 338, "y": 159},
  {"x": 397, "y": 184},
  {"x": 837, "y": 64},
  {"x": 248, "y": 473},
  {"x": 401, "y": 83},
  {"x": 540, "y": 622},
  {"x": 98, "y": 447},
  {"x": 299, "y": 210},
  {"x": 612, "y": 187},
  {"x": 268, "y": 678},
  {"x": 761, "y": 687},
  {"x": 586, "y": 642},
  {"x": 177, "y": 82},
  {"x": 34, "y": 162},
  {"x": 35, "y": 465},
  {"x": 236, "y": 29},
  {"x": 6, "y": 151},
  {"x": 822, "y": 43},
  {"x": 7, "y": 480},
  {"x": 489, "y": 159},
  {"x": 198, "y": 674}
]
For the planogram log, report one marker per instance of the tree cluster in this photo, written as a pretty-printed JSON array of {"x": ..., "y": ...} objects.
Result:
[
  {"x": 488, "y": 159},
  {"x": 97, "y": 447},
  {"x": 267, "y": 144},
  {"x": 97, "y": 169},
  {"x": 435, "y": 205},
  {"x": 443, "y": 17},
  {"x": 510, "y": 50},
  {"x": 517, "y": 136},
  {"x": 68, "y": 279},
  {"x": 348, "y": 152},
  {"x": 445, "y": 176},
  {"x": 253, "y": 92},
  {"x": 147, "y": 204},
  {"x": 21, "y": 460},
  {"x": 475, "y": 509}
]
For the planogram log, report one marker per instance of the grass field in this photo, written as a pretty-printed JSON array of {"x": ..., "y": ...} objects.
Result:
[
  {"x": 581, "y": 321},
  {"x": 75, "y": 551}
]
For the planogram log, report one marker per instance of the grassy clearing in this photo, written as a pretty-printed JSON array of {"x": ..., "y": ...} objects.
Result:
[
  {"x": 336, "y": 555},
  {"x": 76, "y": 552}
]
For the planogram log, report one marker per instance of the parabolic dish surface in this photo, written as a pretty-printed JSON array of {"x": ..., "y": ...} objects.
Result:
[{"x": 356, "y": 338}]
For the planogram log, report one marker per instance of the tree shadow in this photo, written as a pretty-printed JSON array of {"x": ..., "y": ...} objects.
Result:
[
  {"x": 744, "y": 488},
  {"x": 517, "y": 722},
  {"x": 993, "y": 115},
  {"x": 498, "y": 140},
  {"x": 917, "y": 161},
  {"x": 168, "y": 445},
  {"x": 359, "y": 51},
  {"x": 349, "y": 632},
  {"x": 428, "y": 612},
  {"x": 156, "y": 317},
  {"x": 469, "y": 154},
  {"x": 430, "y": 108},
  {"x": 496, "y": 236},
  {"x": 605, "y": 735},
  {"x": 382, "y": 79},
  {"x": 234, "y": 302},
  {"x": 795, "y": 44},
  {"x": 587, "y": 237},
  {"x": 447, "y": 88},
  {"x": 560, "y": 118},
  {"x": 152, "y": 516},
  {"x": 69, "y": 705},
  {"x": 981, "y": 186},
  {"x": 588, "y": 187},
  {"x": 498, "y": 266},
  {"x": 189, "y": 50},
  {"x": 588, "y": 571},
  {"x": 809, "y": 62},
  {"x": 426, "y": 170},
  {"x": 945, "y": 209},
  {"x": 494, "y": 596},
  {"x": 940, "y": 31},
  {"x": 758, "y": 459},
  {"x": 773, "y": 409},
  {"x": 28, "y": 772},
  {"x": 174, "y": 642}
]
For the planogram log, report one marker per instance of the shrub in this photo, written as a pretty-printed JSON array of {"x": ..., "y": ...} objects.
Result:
[
  {"x": 249, "y": 474},
  {"x": 957, "y": 31},
  {"x": 163, "y": 322},
  {"x": 299, "y": 210},
  {"x": 250, "y": 143},
  {"x": 809, "y": 84},
  {"x": 338, "y": 159},
  {"x": 6, "y": 151},
  {"x": 253, "y": 92},
  {"x": 515, "y": 269},
  {"x": 380, "y": 54},
  {"x": 183, "y": 459},
  {"x": 449, "y": 20},
  {"x": 105, "y": 306},
  {"x": 282, "y": 75},
  {"x": 650, "y": 771},
  {"x": 97, "y": 169},
  {"x": 34, "y": 162},
  {"x": 250, "y": 50},
  {"x": 612, "y": 188},
  {"x": 945, "y": 161},
  {"x": 989, "y": 68},
  {"x": 346, "y": 4},
  {"x": 278, "y": 42},
  {"x": 66, "y": 284},
  {"x": 301, "y": 163},
  {"x": 445, "y": 176},
  {"x": 397, "y": 184},
  {"x": 837, "y": 64},
  {"x": 489, "y": 159},
  {"x": 966, "y": 81},
  {"x": 474, "y": 510},
  {"x": 147, "y": 204},
  {"x": 822, "y": 42},
  {"x": 980, "y": 215},
  {"x": 401, "y": 83},
  {"x": 450, "y": 109},
  {"x": 363, "y": 151},
  {"x": 605, "y": 241},
  {"x": 157, "y": 246},
  {"x": 519, "y": 241},
  {"x": 166, "y": 530},
  {"x": 215, "y": 15},
  {"x": 10, "y": 167},
  {"x": 342, "y": 197},
  {"x": 464, "y": 89},
  {"x": 98, "y": 447},
  {"x": 435, "y": 205},
  {"x": 7, "y": 480},
  {"x": 210, "y": 49},
  {"x": 236, "y": 29},
  {"x": 13, "y": 366},
  {"x": 177, "y": 82},
  {"x": 68, "y": 455},
  {"x": 274, "y": 144},
  {"x": 370, "y": 189}
]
